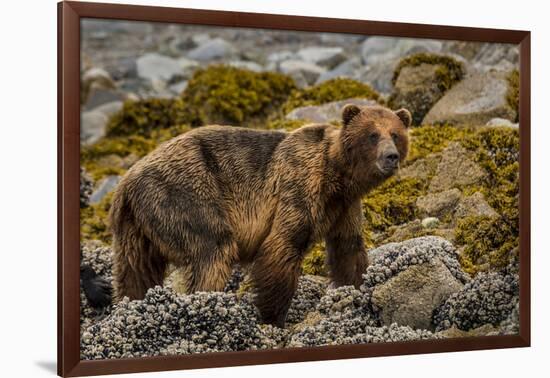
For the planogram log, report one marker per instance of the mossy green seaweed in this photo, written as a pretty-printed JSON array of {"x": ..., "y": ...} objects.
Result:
[
  {"x": 228, "y": 95},
  {"x": 144, "y": 116},
  {"x": 331, "y": 90},
  {"x": 448, "y": 72}
]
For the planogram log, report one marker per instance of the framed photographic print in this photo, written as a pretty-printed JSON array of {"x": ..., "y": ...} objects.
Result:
[{"x": 239, "y": 188}]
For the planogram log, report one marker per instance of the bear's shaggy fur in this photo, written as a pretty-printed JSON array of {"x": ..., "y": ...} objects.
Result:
[{"x": 220, "y": 195}]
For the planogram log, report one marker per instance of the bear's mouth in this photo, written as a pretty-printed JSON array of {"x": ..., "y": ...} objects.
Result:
[{"x": 387, "y": 170}]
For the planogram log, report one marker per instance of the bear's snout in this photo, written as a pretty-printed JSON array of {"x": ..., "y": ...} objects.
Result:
[
  {"x": 388, "y": 159},
  {"x": 391, "y": 159}
]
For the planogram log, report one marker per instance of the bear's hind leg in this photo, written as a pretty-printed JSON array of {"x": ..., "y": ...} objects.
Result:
[
  {"x": 211, "y": 269},
  {"x": 137, "y": 267}
]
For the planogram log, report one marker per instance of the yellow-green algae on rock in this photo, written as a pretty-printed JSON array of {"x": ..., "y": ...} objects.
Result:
[
  {"x": 228, "y": 95},
  {"x": 331, "y": 90}
]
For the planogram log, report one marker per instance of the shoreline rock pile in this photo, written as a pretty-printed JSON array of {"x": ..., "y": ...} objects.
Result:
[{"x": 166, "y": 323}]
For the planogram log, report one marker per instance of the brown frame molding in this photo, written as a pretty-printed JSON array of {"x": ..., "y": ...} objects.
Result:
[{"x": 69, "y": 15}]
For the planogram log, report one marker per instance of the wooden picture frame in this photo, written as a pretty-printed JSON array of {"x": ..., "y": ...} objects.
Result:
[{"x": 69, "y": 16}]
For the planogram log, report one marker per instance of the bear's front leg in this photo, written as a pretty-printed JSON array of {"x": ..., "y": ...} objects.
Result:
[
  {"x": 346, "y": 255},
  {"x": 275, "y": 273}
]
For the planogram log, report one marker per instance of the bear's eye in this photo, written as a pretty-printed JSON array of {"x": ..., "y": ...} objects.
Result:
[
  {"x": 395, "y": 137},
  {"x": 374, "y": 137}
]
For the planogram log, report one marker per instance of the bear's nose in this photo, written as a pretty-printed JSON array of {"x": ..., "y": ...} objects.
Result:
[{"x": 392, "y": 158}]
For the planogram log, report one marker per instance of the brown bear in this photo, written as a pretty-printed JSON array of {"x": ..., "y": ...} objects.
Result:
[{"x": 221, "y": 195}]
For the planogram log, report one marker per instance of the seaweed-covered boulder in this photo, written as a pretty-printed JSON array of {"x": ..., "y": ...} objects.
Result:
[
  {"x": 93, "y": 123},
  {"x": 420, "y": 80},
  {"x": 474, "y": 100},
  {"x": 407, "y": 281},
  {"x": 145, "y": 116},
  {"x": 228, "y": 95},
  {"x": 326, "y": 113},
  {"x": 329, "y": 91},
  {"x": 456, "y": 169}
]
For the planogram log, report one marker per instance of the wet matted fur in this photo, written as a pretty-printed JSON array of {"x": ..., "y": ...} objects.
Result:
[{"x": 221, "y": 195}]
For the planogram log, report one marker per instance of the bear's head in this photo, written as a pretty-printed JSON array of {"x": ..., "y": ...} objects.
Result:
[{"x": 375, "y": 140}]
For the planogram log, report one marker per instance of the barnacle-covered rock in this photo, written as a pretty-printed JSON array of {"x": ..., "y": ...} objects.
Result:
[
  {"x": 489, "y": 298},
  {"x": 166, "y": 323},
  {"x": 407, "y": 281}
]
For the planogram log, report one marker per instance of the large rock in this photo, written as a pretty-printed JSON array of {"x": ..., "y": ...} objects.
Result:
[
  {"x": 474, "y": 101},
  {"x": 98, "y": 96},
  {"x": 246, "y": 65},
  {"x": 348, "y": 68},
  {"x": 419, "y": 86},
  {"x": 455, "y": 170},
  {"x": 93, "y": 123},
  {"x": 489, "y": 298},
  {"x": 104, "y": 187},
  {"x": 407, "y": 281},
  {"x": 438, "y": 204},
  {"x": 474, "y": 205},
  {"x": 382, "y": 49},
  {"x": 323, "y": 56},
  {"x": 326, "y": 113},
  {"x": 155, "y": 66},
  {"x": 211, "y": 49},
  {"x": 410, "y": 297},
  {"x": 298, "y": 68},
  {"x": 96, "y": 80}
]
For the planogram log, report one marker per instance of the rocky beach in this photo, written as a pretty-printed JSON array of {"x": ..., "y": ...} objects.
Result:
[{"x": 442, "y": 236}]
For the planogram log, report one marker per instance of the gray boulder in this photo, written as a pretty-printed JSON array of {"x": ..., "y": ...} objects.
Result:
[
  {"x": 502, "y": 122},
  {"x": 419, "y": 87},
  {"x": 348, "y": 68},
  {"x": 154, "y": 66},
  {"x": 323, "y": 56},
  {"x": 407, "y": 281},
  {"x": 211, "y": 49},
  {"x": 94, "y": 122},
  {"x": 410, "y": 297},
  {"x": 326, "y": 113},
  {"x": 438, "y": 204},
  {"x": 298, "y": 68},
  {"x": 104, "y": 187},
  {"x": 246, "y": 64},
  {"x": 474, "y": 205},
  {"x": 382, "y": 49},
  {"x": 474, "y": 101},
  {"x": 455, "y": 170}
]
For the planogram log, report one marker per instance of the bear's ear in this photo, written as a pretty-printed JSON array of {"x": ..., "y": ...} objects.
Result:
[
  {"x": 405, "y": 116},
  {"x": 349, "y": 112}
]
